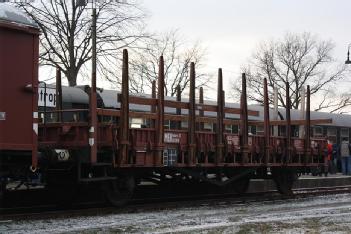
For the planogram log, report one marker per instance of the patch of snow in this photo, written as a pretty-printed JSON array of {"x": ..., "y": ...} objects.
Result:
[
  {"x": 326, "y": 214},
  {"x": 11, "y": 13}
]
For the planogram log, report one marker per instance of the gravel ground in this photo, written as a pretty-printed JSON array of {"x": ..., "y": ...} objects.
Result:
[{"x": 325, "y": 214}]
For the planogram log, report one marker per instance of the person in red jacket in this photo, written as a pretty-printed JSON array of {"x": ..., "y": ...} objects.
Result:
[{"x": 328, "y": 158}]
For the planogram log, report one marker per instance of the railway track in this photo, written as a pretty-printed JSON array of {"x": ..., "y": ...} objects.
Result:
[{"x": 148, "y": 204}]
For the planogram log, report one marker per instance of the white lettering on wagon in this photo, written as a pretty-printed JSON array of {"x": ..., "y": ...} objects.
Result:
[{"x": 171, "y": 137}]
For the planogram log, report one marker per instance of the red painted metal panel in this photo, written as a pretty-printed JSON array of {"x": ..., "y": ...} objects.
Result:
[{"x": 19, "y": 68}]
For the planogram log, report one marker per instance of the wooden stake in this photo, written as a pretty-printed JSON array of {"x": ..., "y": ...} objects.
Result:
[
  {"x": 124, "y": 119},
  {"x": 308, "y": 126},
  {"x": 58, "y": 94},
  {"x": 288, "y": 124},
  {"x": 179, "y": 110},
  {"x": 267, "y": 130},
  {"x": 160, "y": 115},
  {"x": 220, "y": 116},
  {"x": 244, "y": 122},
  {"x": 201, "y": 112},
  {"x": 153, "y": 107},
  {"x": 191, "y": 120}
]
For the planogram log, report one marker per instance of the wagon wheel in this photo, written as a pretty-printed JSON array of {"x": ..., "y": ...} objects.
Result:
[
  {"x": 62, "y": 189},
  {"x": 284, "y": 180},
  {"x": 63, "y": 194},
  {"x": 118, "y": 192},
  {"x": 242, "y": 185}
]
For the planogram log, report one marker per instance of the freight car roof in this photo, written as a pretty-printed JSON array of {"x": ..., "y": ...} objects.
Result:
[{"x": 12, "y": 14}]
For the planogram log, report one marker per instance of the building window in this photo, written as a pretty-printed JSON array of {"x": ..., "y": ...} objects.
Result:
[
  {"x": 175, "y": 125},
  {"x": 252, "y": 129},
  {"x": 260, "y": 130},
  {"x": 208, "y": 127},
  {"x": 331, "y": 134},
  {"x": 137, "y": 123},
  {"x": 167, "y": 124},
  {"x": 235, "y": 129},
  {"x": 228, "y": 128},
  {"x": 344, "y": 134},
  {"x": 295, "y": 130},
  {"x": 317, "y": 131},
  {"x": 281, "y": 130}
]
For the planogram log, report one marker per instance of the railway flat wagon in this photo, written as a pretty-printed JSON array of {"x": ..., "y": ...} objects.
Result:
[
  {"x": 63, "y": 145},
  {"x": 171, "y": 142}
]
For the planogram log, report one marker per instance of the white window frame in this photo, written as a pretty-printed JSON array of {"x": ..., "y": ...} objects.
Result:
[
  {"x": 259, "y": 130},
  {"x": 344, "y": 136},
  {"x": 167, "y": 124},
  {"x": 315, "y": 132},
  {"x": 229, "y": 128},
  {"x": 208, "y": 126},
  {"x": 332, "y": 134}
]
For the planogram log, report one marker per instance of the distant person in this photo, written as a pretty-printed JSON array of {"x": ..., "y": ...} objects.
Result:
[
  {"x": 336, "y": 158},
  {"x": 345, "y": 157},
  {"x": 328, "y": 158}
]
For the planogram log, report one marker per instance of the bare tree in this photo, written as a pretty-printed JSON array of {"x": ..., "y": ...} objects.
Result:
[
  {"x": 177, "y": 58},
  {"x": 334, "y": 102},
  {"x": 66, "y": 34},
  {"x": 300, "y": 59}
]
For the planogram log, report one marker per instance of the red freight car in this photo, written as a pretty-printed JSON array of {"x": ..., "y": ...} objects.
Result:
[{"x": 18, "y": 80}]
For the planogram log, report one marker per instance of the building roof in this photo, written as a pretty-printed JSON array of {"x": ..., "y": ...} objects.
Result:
[{"x": 109, "y": 97}]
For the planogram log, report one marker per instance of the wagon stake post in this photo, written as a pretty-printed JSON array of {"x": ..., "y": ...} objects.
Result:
[
  {"x": 267, "y": 132},
  {"x": 124, "y": 119},
  {"x": 288, "y": 125},
  {"x": 92, "y": 97},
  {"x": 59, "y": 94},
  {"x": 244, "y": 122},
  {"x": 220, "y": 116},
  {"x": 160, "y": 115},
  {"x": 308, "y": 126},
  {"x": 201, "y": 112},
  {"x": 191, "y": 118}
]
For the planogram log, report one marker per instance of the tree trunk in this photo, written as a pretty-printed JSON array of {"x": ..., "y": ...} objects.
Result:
[{"x": 72, "y": 77}]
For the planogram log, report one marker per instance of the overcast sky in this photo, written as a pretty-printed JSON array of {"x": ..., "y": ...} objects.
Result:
[{"x": 231, "y": 29}]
